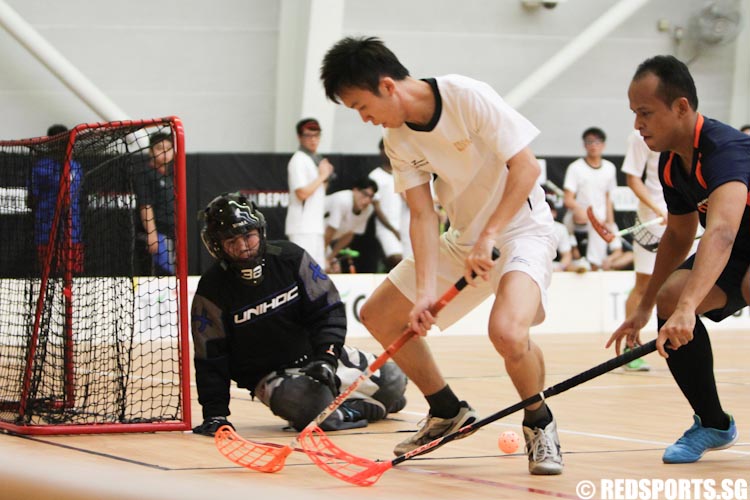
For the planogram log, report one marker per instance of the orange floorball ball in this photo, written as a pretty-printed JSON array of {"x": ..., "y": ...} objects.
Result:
[{"x": 508, "y": 442}]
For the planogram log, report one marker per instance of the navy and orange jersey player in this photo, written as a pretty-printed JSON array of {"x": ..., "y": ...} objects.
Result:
[
  {"x": 688, "y": 190},
  {"x": 704, "y": 169}
]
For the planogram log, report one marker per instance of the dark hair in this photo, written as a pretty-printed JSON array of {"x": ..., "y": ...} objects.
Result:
[
  {"x": 57, "y": 148},
  {"x": 56, "y": 129},
  {"x": 745, "y": 127},
  {"x": 307, "y": 124},
  {"x": 675, "y": 80},
  {"x": 158, "y": 137},
  {"x": 364, "y": 183},
  {"x": 595, "y": 131},
  {"x": 359, "y": 63}
]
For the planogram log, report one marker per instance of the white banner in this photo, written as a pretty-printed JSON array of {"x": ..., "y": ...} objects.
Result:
[{"x": 593, "y": 302}]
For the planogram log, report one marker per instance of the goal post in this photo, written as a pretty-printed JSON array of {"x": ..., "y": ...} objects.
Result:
[{"x": 93, "y": 280}]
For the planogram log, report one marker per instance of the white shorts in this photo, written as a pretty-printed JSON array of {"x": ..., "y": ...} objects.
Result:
[
  {"x": 643, "y": 260},
  {"x": 314, "y": 244},
  {"x": 531, "y": 255},
  {"x": 388, "y": 241}
]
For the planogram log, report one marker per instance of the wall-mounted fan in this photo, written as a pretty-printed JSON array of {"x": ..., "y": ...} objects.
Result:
[{"x": 718, "y": 23}]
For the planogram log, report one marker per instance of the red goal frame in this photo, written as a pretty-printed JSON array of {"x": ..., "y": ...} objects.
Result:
[{"x": 20, "y": 407}]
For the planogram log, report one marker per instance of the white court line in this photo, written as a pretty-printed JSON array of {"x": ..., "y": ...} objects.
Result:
[{"x": 601, "y": 436}]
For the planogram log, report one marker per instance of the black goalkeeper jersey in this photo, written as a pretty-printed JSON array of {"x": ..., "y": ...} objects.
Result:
[{"x": 244, "y": 332}]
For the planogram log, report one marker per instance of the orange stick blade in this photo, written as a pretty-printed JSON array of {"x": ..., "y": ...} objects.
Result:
[
  {"x": 254, "y": 456},
  {"x": 338, "y": 462}
]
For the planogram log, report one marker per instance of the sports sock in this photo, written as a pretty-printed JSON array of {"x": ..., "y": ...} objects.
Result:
[
  {"x": 444, "y": 403},
  {"x": 692, "y": 366},
  {"x": 539, "y": 418}
]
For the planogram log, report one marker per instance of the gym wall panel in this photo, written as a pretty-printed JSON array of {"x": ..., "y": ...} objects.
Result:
[{"x": 180, "y": 56}]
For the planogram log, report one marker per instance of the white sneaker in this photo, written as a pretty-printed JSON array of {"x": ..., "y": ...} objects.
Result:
[
  {"x": 543, "y": 449},
  {"x": 436, "y": 427}
]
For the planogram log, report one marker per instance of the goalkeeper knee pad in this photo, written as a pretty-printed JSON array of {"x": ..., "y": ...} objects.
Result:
[
  {"x": 391, "y": 387},
  {"x": 299, "y": 399}
]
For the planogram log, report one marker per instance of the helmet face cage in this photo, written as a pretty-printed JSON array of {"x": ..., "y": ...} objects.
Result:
[{"x": 230, "y": 215}]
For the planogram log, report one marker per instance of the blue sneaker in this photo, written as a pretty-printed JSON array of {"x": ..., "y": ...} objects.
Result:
[{"x": 698, "y": 440}]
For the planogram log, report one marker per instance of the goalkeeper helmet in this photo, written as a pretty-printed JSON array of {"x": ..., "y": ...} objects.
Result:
[{"x": 230, "y": 215}]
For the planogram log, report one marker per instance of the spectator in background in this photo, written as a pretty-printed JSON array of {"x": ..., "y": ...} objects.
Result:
[
  {"x": 309, "y": 174},
  {"x": 346, "y": 214},
  {"x": 745, "y": 129},
  {"x": 590, "y": 181},
  {"x": 390, "y": 210},
  {"x": 618, "y": 259},
  {"x": 640, "y": 160},
  {"x": 46, "y": 177},
  {"x": 155, "y": 193},
  {"x": 564, "y": 257}
]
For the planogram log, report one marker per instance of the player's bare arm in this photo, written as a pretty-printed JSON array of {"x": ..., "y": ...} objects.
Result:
[
  {"x": 578, "y": 210},
  {"x": 384, "y": 220},
  {"x": 342, "y": 243},
  {"x": 423, "y": 230},
  {"x": 610, "y": 211},
  {"x": 523, "y": 171},
  {"x": 149, "y": 226},
  {"x": 325, "y": 169},
  {"x": 673, "y": 249},
  {"x": 638, "y": 187},
  {"x": 726, "y": 205}
]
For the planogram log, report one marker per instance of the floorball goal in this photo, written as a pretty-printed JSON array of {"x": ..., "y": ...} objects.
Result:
[{"x": 93, "y": 280}]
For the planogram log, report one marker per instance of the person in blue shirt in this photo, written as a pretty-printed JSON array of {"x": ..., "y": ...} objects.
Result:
[
  {"x": 155, "y": 193},
  {"x": 43, "y": 193},
  {"x": 704, "y": 169}
]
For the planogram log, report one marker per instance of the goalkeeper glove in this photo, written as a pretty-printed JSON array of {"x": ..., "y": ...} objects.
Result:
[
  {"x": 324, "y": 373},
  {"x": 211, "y": 425}
]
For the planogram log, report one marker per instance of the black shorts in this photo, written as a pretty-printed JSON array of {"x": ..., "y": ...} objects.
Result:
[{"x": 730, "y": 282}]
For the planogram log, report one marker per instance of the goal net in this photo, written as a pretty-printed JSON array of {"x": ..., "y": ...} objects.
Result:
[{"x": 93, "y": 280}]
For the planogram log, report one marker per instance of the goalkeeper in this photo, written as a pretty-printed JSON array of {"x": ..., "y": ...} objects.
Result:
[{"x": 266, "y": 316}]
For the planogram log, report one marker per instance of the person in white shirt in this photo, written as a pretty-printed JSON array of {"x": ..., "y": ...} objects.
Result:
[
  {"x": 564, "y": 257},
  {"x": 590, "y": 181},
  {"x": 392, "y": 223},
  {"x": 639, "y": 159},
  {"x": 308, "y": 175},
  {"x": 461, "y": 133},
  {"x": 346, "y": 214}
]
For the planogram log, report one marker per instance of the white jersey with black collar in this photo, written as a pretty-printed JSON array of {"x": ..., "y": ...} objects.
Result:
[{"x": 466, "y": 148}]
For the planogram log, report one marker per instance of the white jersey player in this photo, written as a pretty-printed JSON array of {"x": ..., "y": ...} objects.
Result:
[{"x": 459, "y": 133}]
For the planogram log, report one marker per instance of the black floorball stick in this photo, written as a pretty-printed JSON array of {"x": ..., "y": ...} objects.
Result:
[{"x": 365, "y": 472}]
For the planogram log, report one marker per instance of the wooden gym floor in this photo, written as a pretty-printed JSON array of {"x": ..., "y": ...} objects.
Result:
[{"x": 615, "y": 426}]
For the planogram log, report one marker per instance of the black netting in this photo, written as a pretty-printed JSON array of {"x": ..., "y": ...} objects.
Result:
[{"x": 89, "y": 330}]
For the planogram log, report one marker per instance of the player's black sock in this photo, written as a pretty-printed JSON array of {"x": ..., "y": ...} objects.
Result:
[
  {"x": 692, "y": 367},
  {"x": 444, "y": 404},
  {"x": 539, "y": 418}
]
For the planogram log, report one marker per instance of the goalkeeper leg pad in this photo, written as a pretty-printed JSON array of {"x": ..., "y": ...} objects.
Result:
[
  {"x": 392, "y": 386},
  {"x": 299, "y": 399}
]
